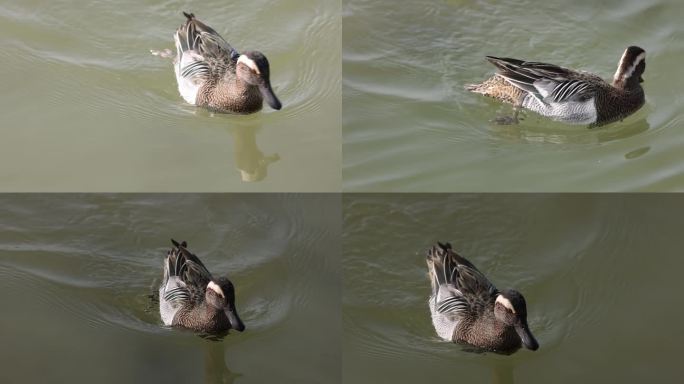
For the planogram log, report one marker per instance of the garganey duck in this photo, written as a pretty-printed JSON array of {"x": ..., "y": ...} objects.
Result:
[
  {"x": 212, "y": 74},
  {"x": 189, "y": 297},
  {"x": 466, "y": 308},
  {"x": 565, "y": 95}
]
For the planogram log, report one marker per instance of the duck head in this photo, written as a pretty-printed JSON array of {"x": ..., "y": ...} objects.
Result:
[
  {"x": 632, "y": 65},
  {"x": 252, "y": 68},
  {"x": 221, "y": 295},
  {"x": 510, "y": 309}
]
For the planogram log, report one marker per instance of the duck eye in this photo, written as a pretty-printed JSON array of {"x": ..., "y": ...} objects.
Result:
[{"x": 506, "y": 309}]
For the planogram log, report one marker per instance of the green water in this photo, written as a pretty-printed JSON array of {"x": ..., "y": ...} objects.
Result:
[
  {"x": 409, "y": 125},
  {"x": 600, "y": 274},
  {"x": 76, "y": 272},
  {"x": 86, "y": 107}
]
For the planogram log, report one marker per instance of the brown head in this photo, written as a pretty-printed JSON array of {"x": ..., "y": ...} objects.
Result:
[
  {"x": 510, "y": 309},
  {"x": 252, "y": 68},
  {"x": 632, "y": 65},
  {"x": 220, "y": 294}
]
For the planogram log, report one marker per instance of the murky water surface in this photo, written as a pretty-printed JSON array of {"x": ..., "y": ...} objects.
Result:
[
  {"x": 76, "y": 273},
  {"x": 600, "y": 274}
]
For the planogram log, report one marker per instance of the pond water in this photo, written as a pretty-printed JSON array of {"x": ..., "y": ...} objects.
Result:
[
  {"x": 409, "y": 125},
  {"x": 77, "y": 272},
  {"x": 600, "y": 274},
  {"x": 86, "y": 107}
]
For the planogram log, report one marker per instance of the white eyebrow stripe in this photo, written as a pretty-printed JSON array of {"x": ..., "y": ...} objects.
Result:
[
  {"x": 249, "y": 62},
  {"x": 628, "y": 73},
  {"x": 505, "y": 302},
  {"x": 215, "y": 287}
]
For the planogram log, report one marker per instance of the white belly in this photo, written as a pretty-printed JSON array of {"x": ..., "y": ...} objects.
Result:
[
  {"x": 573, "y": 112},
  {"x": 444, "y": 326},
  {"x": 187, "y": 88}
]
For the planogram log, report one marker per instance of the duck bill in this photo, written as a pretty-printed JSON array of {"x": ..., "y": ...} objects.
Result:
[
  {"x": 269, "y": 96},
  {"x": 234, "y": 320},
  {"x": 526, "y": 337}
]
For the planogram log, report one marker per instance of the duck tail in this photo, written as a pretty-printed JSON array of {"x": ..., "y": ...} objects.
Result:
[
  {"x": 440, "y": 265},
  {"x": 183, "y": 244},
  {"x": 499, "y": 88},
  {"x": 175, "y": 259},
  {"x": 185, "y": 35}
]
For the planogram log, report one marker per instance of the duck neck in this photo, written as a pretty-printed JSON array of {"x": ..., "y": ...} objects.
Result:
[{"x": 627, "y": 83}]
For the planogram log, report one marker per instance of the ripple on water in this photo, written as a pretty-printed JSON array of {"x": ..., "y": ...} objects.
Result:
[
  {"x": 73, "y": 282},
  {"x": 105, "y": 276},
  {"x": 313, "y": 79}
]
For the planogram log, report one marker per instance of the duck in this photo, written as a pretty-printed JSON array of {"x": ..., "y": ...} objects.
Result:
[
  {"x": 467, "y": 309},
  {"x": 566, "y": 95},
  {"x": 212, "y": 74},
  {"x": 190, "y": 298}
]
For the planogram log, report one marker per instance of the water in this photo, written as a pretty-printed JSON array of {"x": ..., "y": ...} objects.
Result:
[
  {"x": 601, "y": 275},
  {"x": 86, "y": 107},
  {"x": 410, "y": 126},
  {"x": 333, "y": 288},
  {"x": 76, "y": 272}
]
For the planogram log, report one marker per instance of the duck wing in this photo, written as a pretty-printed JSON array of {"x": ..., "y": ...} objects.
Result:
[
  {"x": 192, "y": 270},
  {"x": 547, "y": 82},
  {"x": 185, "y": 277},
  {"x": 459, "y": 288},
  {"x": 196, "y": 36},
  {"x": 201, "y": 50}
]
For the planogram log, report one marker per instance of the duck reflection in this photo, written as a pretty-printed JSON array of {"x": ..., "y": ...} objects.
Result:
[
  {"x": 502, "y": 374},
  {"x": 249, "y": 160},
  {"x": 215, "y": 369},
  {"x": 540, "y": 133}
]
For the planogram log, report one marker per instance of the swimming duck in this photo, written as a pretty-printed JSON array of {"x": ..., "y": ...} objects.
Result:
[
  {"x": 212, "y": 74},
  {"x": 466, "y": 308},
  {"x": 189, "y": 297},
  {"x": 566, "y": 95}
]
